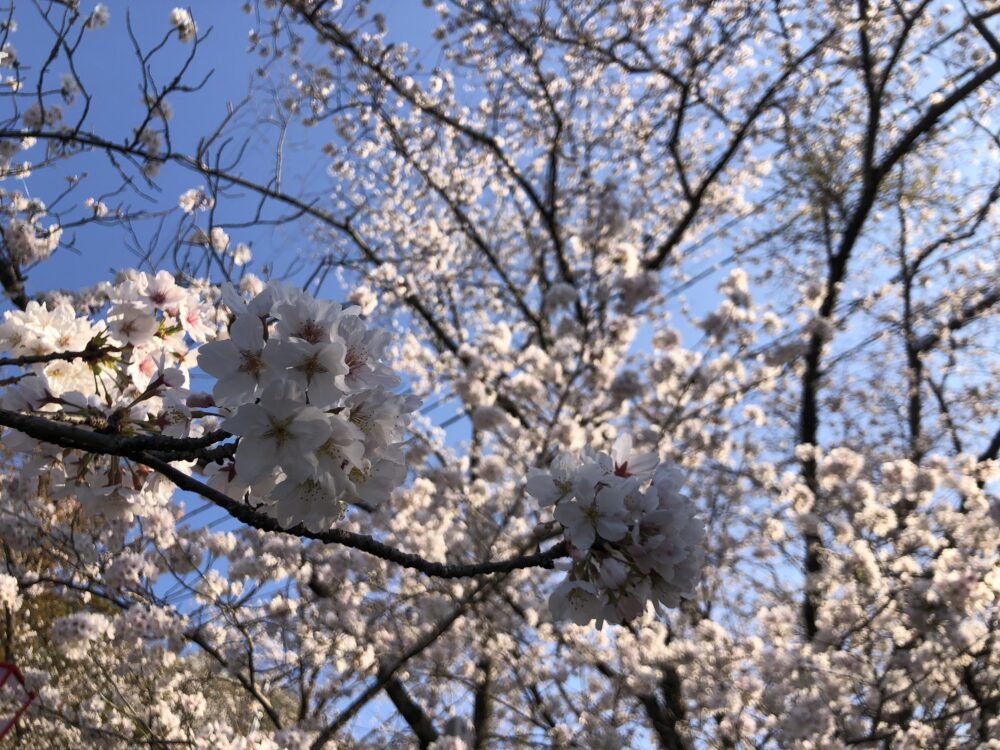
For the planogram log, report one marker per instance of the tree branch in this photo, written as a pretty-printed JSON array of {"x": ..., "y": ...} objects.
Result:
[
  {"x": 361, "y": 542},
  {"x": 411, "y": 712}
]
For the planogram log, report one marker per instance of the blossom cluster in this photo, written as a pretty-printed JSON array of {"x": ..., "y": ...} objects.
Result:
[
  {"x": 181, "y": 19},
  {"x": 8, "y": 150},
  {"x": 76, "y": 632},
  {"x": 307, "y": 391},
  {"x": 299, "y": 381},
  {"x": 98, "y": 18},
  {"x": 26, "y": 239},
  {"x": 634, "y": 537},
  {"x": 10, "y": 597},
  {"x": 128, "y": 375}
]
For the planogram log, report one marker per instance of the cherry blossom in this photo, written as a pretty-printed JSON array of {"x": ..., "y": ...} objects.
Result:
[
  {"x": 238, "y": 363},
  {"x": 603, "y": 375},
  {"x": 280, "y": 431},
  {"x": 632, "y": 545},
  {"x": 181, "y": 19}
]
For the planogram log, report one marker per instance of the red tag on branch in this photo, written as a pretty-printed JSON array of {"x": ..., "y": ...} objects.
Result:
[{"x": 11, "y": 674}]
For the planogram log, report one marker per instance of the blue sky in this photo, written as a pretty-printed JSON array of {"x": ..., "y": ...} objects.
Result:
[{"x": 107, "y": 64}]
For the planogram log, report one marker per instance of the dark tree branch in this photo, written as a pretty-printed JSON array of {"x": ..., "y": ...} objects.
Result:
[
  {"x": 482, "y": 706},
  {"x": 69, "y": 436},
  {"x": 361, "y": 542},
  {"x": 836, "y": 274},
  {"x": 411, "y": 712}
]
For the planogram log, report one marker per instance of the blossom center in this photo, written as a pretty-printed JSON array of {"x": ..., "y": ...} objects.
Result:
[
  {"x": 251, "y": 362},
  {"x": 311, "y": 331},
  {"x": 311, "y": 366},
  {"x": 279, "y": 431},
  {"x": 356, "y": 358}
]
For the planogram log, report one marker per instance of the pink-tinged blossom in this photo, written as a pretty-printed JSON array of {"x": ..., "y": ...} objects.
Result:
[
  {"x": 365, "y": 348},
  {"x": 626, "y": 463},
  {"x": 196, "y": 319},
  {"x": 162, "y": 291},
  {"x": 156, "y": 367},
  {"x": 314, "y": 321}
]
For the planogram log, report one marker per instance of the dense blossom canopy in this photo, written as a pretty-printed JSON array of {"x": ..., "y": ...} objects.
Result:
[{"x": 500, "y": 373}]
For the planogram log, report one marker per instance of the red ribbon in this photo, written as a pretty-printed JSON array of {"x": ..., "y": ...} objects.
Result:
[{"x": 6, "y": 672}]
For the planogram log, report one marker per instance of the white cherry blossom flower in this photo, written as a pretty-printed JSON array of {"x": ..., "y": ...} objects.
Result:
[
  {"x": 382, "y": 416},
  {"x": 314, "y": 321},
  {"x": 195, "y": 317},
  {"x": 626, "y": 463},
  {"x": 580, "y": 602},
  {"x": 241, "y": 254},
  {"x": 98, "y": 18},
  {"x": 74, "y": 634},
  {"x": 195, "y": 199},
  {"x": 650, "y": 534},
  {"x": 311, "y": 503},
  {"x": 238, "y": 362},
  {"x": 549, "y": 487},
  {"x": 10, "y": 596},
  {"x": 181, "y": 20},
  {"x": 162, "y": 291},
  {"x": 318, "y": 369},
  {"x": 132, "y": 324},
  {"x": 341, "y": 454},
  {"x": 364, "y": 350},
  {"x": 281, "y": 431},
  {"x": 592, "y": 513},
  {"x": 375, "y": 481},
  {"x": 259, "y": 306}
]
